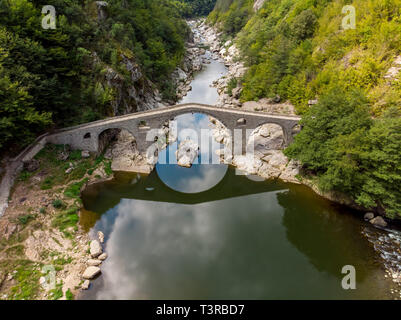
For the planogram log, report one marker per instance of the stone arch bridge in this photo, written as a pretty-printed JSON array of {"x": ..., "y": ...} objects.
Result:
[{"x": 86, "y": 136}]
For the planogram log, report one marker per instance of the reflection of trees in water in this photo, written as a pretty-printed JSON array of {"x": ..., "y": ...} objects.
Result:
[
  {"x": 327, "y": 234},
  {"x": 104, "y": 196}
]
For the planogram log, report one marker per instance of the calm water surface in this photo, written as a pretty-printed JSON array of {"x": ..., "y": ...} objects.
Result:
[{"x": 207, "y": 233}]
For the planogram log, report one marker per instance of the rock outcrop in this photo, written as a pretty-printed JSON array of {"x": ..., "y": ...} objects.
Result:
[
  {"x": 258, "y": 4},
  {"x": 267, "y": 159},
  {"x": 137, "y": 94},
  {"x": 186, "y": 153},
  {"x": 125, "y": 156},
  {"x": 379, "y": 222}
]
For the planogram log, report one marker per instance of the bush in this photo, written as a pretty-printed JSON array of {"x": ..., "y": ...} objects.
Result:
[
  {"x": 304, "y": 25},
  {"x": 25, "y": 219},
  {"x": 58, "y": 204}
]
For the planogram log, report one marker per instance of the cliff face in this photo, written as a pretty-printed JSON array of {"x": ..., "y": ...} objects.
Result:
[{"x": 133, "y": 95}]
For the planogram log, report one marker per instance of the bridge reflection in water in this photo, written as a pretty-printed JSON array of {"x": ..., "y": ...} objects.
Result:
[{"x": 152, "y": 188}]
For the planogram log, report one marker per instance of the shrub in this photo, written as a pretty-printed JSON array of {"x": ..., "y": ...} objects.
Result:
[
  {"x": 25, "y": 219},
  {"x": 58, "y": 204}
]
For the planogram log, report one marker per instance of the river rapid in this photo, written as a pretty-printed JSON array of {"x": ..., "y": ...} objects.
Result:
[{"x": 207, "y": 232}]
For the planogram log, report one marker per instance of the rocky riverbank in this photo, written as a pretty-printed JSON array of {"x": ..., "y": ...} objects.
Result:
[
  {"x": 193, "y": 62},
  {"x": 268, "y": 160},
  {"x": 41, "y": 239}
]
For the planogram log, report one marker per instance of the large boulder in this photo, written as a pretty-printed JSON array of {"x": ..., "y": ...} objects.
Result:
[
  {"x": 378, "y": 222},
  {"x": 267, "y": 137},
  {"x": 247, "y": 163},
  {"x": 95, "y": 249},
  {"x": 180, "y": 75},
  {"x": 94, "y": 262},
  {"x": 103, "y": 256},
  {"x": 125, "y": 155},
  {"x": 91, "y": 272},
  {"x": 368, "y": 216},
  {"x": 186, "y": 153}
]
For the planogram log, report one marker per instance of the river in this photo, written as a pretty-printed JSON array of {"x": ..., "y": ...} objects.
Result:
[{"x": 207, "y": 233}]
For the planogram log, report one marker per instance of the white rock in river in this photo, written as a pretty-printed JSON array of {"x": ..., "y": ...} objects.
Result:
[
  {"x": 247, "y": 163},
  {"x": 91, "y": 272},
  {"x": 103, "y": 256},
  {"x": 95, "y": 249},
  {"x": 94, "y": 262},
  {"x": 368, "y": 216},
  {"x": 186, "y": 153},
  {"x": 100, "y": 235},
  {"x": 85, "y": 285},
  {"x": 379, "y": 221}
]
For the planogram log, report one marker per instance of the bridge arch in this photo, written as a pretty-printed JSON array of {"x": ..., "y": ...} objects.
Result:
[
  {"x": 194, "y": 111},
  {"x": 108, "y": 135}
]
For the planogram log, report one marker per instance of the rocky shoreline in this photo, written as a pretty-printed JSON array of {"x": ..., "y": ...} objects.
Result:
[{"x": 41, "y": 238}]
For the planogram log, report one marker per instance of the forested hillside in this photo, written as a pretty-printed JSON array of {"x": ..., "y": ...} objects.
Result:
[
  {"x": 198, "y": 8},
  {"x": 81, "y": 70},
  {"x": 298, "y": 49}
]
